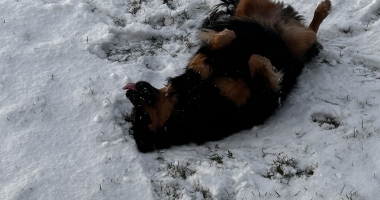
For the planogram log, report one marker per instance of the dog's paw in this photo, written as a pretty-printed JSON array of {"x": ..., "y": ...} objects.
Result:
[
  {"x": 223, "y": 39},
  {"x": 323, "y": 9},
  {"x": 217, "y": 40}
]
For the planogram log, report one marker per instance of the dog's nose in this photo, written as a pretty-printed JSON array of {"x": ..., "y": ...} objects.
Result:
[{"x": 142, "y": 93}]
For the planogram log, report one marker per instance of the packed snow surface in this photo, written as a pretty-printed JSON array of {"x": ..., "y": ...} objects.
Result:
[{"x": 63, "y": 134}]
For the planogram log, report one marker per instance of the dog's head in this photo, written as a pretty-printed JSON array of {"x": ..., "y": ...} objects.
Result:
[
  {"x": 152, "y": 106},
  {"x": 182, "y": 113}
]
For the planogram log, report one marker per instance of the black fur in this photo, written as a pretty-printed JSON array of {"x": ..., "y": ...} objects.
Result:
[{"x": 201, "y": 114}]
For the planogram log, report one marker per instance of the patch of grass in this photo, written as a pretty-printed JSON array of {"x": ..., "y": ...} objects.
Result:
[
  {"x": 367, "y": 72},
  {"x": 179, "y": 171},
  {"x": 166, "y": 191},
  {"x": 350, "y": 196},
  {"x": 171, "y": 4},
  {"x": 285, "y": 168},
  {"x": 377, "y": 13},
  {"x": 205, "y": 6},
  {"x": 160, "y": 159},
  {"x": 119, "y": 22},
  {"x": 157, "y": 42},
  {"x": 280, "y": 163},
  {"x": 135, "y": 7},
  {"x": 185, "y": 41},
  {"x": 182, "y": 18},
  {"x": 205, "y": 193},
  {"x": 217, "y": 158},
  {"x": 128, "y": 117},
  {"x": 326, "y": 120},
  {"x": 229, "y": 154},
  {"x": 120, "y": 50},
  {"x": 346, "y": 31},
  {"x": 176, "y": 176}
]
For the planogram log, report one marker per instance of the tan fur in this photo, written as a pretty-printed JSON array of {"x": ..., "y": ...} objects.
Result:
[
  {"x": 162, "y": 110},
  {"x": 297, "y": 38},
  {"x": 223, "y": 39},
  {"x": 260, "y": 10},
  {"x": 235, "y": 90},
  {"x": 206, "y": 35},
  {"x": 199, "y": 66},
  {"x": 217, "y": 40},
  {"x": 320, "y": 14},
  {"x": 261, "y": 66}
]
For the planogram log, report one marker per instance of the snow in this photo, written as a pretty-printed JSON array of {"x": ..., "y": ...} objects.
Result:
[{"x": 63, "y": 134}]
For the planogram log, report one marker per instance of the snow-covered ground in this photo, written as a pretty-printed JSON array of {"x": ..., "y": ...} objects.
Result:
[{"x": 63, "y": 64}]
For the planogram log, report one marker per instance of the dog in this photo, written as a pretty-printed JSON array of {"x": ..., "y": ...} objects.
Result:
[{"x": 249, "y": 61}]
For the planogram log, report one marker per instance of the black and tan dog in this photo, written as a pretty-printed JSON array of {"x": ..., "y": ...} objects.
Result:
[{"x": 247, "y": 65}]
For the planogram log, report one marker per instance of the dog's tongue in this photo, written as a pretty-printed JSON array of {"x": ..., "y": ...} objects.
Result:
[{"x": 130, "y": 86}]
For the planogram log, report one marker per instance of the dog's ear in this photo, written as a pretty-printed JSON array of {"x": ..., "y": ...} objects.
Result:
[
  {"x": 156, "y": 103},
  {"x": 161, "y": 111}
]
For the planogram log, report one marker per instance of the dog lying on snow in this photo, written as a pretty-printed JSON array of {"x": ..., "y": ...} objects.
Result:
[{"x": 249, "y": 62}]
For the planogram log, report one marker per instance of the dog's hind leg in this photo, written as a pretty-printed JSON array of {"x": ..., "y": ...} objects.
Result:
[
  {"x": 320, "y": 14},
  {"x": 298, "y": 38},
  {"x": 261, "y": 10},
  {"x": 261, "y": 66},
  {"x": 215, "y": 40}
]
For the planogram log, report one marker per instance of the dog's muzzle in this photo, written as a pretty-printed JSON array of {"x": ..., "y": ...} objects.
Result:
[{"x": 141, "y": 93}]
